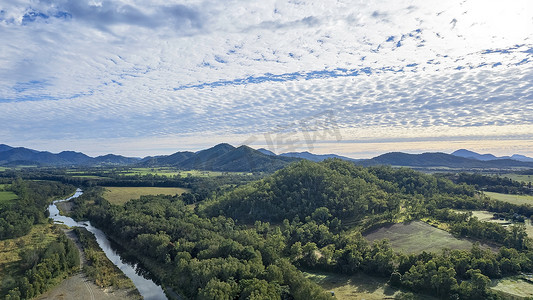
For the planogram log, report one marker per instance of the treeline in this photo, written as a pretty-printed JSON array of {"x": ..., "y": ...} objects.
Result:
[
  {"x": 492, "y": 183},
  {"x": 43, "y": 267},
  {"x": 201, "y": 187},
  {"x": 203, "y": 258},
  {"x": 17, "y": 218}
]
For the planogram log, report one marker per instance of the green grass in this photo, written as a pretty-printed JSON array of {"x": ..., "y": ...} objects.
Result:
[
  {"x": 121, "y": 195},
  {"x": 6, "y": 197},
  {"x": 513, "y": 199},
  {"x": 358, "y": 286},
  {"x": 98, "y": 267},
  {"x": 175, "y": 172},
  {"x": 519, "y": 177},
  {"x": 39, "y": 237},
  {"x": 88, "y": 176},
  {"x": 513, "y": 288},
  {"x": 415, "y": 237}
]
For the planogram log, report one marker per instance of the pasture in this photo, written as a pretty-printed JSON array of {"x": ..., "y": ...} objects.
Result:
[
  {"x": 7, "y": 196},
  {"x": 121, "y": 195},
  {"x": 513, "y": 288},
  {"x": 170, "y": 172},
  {"x": 416, "y": 236},
  {"x": 88, "y": 177},
  {"x": 513, "y": 199},
  {"x": 358, "y": 286},
  {"x": 487, "y": 216},
  {"x": 519, "y": 177}
]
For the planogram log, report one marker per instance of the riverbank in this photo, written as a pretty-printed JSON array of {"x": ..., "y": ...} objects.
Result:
[
  {"x": 98, "y": 276},
  {"x": 81, "y": 286}
]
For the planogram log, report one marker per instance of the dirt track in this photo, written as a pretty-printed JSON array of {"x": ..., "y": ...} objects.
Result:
[{"x": 80, "y": 287}]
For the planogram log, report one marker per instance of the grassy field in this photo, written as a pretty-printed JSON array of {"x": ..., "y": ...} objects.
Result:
[
  {"x": 88, "y": 177},
  {"x": 486, "y": 216},
  {"x": 415, "y": 237},
  {"x": 513, "y": 199},
  {"x": 513, "y": 288},
  {"x": 358, "y": 286},
  {"x": 121, "y": 195},
  {"x": 39, "y": 237},
  {"x": 175, "y": 172},
  {"x": 519, "y": 177},
  {"x": 6, "y": 196}
]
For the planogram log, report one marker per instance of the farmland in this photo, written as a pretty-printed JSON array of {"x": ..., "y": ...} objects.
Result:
[
  {"x": 169, "y": 172},
  {"x": 121, "y": 195},
  {"x": 520, "y": 177},
  {"x": 513, "y": 288},
  {"x": 6, "y": 196},
  {"x": 415, "y": 237},
  {"x": 358, "y": 286},
  {"x": 513, "y": 199}
]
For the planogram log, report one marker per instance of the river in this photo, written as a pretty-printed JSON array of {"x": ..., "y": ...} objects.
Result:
[{"x": 148, "y": 289}]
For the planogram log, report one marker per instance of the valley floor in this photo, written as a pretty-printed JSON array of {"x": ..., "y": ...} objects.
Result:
[
  {"x": 80, "y": 287},
  {"x": 359, "y": 286}
]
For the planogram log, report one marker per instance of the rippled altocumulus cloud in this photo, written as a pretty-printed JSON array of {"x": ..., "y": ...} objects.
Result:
[{"x": 129, "y": 70}]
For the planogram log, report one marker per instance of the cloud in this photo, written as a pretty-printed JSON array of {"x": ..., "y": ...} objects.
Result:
[{"x": 138, "y": 70}]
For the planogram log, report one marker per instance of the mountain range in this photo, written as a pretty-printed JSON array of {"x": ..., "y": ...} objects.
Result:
[
  {"x": 434, "y": 160},
  {"x": 227, "y": 158},
  {"x": 486, "y": 157},
  {"x": 10, "y": 156}
]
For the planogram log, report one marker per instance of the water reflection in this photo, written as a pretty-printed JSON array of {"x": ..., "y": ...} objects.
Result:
[{"x": 148, "y": 289}]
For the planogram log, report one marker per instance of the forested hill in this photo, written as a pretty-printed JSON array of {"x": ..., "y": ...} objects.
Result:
[
  {"x": 222, "y": 157},
  {"x": 345, "y": 190}
]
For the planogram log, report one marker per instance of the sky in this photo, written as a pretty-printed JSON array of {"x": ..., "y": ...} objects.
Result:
[{"x": 357, "y": 78}]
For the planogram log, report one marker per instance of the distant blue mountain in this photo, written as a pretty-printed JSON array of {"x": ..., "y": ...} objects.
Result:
[
  {"x": 487, "y": 157},
  {"x": 20, "y": 155},
  {"x": 430, "y": 160},
  {"x": 315, "y": 157},
  {"x": 4, "y": 147},
  {"x": 267, "y": 152}
]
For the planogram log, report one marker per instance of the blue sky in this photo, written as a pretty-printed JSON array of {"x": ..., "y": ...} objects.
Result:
[{"x": 358, "y": 78}]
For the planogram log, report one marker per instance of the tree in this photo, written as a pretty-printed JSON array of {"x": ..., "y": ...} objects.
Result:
[
  {"x": 219, "y": 290},
  {"x": 444, "y": 281}
]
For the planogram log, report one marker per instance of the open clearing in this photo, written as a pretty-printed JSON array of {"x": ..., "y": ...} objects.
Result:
[
  {"x": 121, "y": 195},
  {"x": 88, "y": 177},
  {"x": 416, "y": 236},
  {"x": 513, "y": 199},
  {"x": 79, "y": 287},
  {"x": 176, "y": 172},
  {"x": 513, "y": 288},
  {"x": 7, "y": 196},
  {"x": 358, "y": 286},
  {"x": 519, "y": 177},
  {"x": 487, "y": 216}
]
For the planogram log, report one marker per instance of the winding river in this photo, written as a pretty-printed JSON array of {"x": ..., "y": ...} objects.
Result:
[{"x": 148, "y": 289}]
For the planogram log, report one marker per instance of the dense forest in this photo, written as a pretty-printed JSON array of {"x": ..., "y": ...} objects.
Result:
[
  {"x": 41, "y": 268},
  {"x": 251, "y": 241},
  {"x": 17, "y": 218},
  {"x": 38, "y": 268}
]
